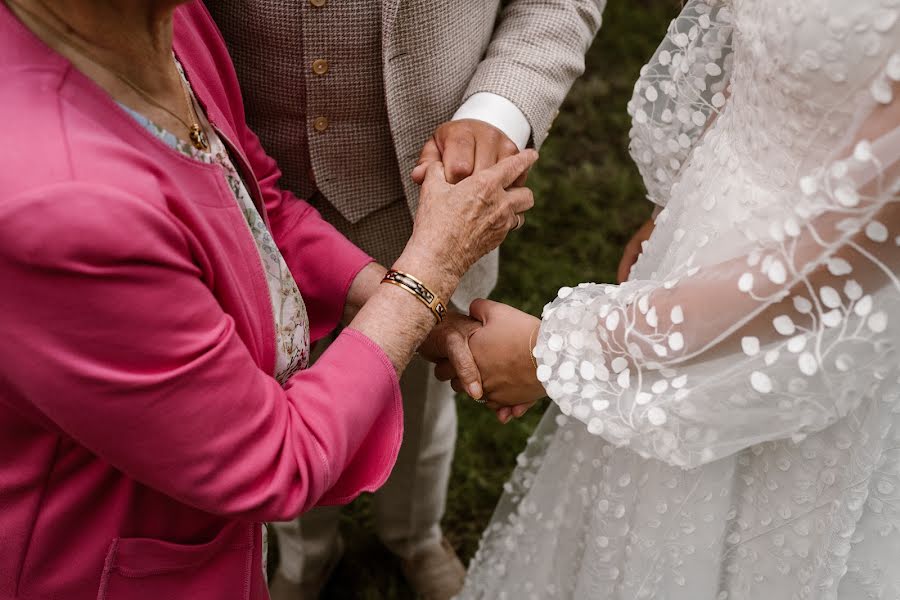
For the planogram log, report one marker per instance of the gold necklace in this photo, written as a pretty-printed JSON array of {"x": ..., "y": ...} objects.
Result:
[{"x": 195, "y": 132}]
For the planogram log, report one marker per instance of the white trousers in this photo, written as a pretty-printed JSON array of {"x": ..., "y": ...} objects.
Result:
[{"x": 410, "y": 505}]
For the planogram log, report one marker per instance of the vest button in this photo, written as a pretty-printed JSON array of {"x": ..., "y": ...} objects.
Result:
[
  {"x": 318, "y": 3},
  {"x": 320, "y": 66},
  {"x": 320, "y": 124}
]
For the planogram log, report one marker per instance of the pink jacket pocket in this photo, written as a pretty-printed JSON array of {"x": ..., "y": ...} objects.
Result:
[{"x": 148, "y": 569}]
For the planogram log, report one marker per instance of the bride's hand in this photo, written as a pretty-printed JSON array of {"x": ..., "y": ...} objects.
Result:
[{"x": 502, "y": 350}]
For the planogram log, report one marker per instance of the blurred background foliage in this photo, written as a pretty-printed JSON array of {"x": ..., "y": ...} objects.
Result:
[{"x": 589, "y": 201}]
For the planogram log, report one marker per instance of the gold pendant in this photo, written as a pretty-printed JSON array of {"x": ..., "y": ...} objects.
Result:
[{"x": 198, "y": 138}]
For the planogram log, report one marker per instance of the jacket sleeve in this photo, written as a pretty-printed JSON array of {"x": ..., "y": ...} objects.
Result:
[
  {"x": 536, "y": 53},
  {"x": 113, "y": 334}
]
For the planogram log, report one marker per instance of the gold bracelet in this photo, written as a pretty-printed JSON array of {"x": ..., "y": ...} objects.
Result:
[
  {"x": 532, "y": 344},
  {"x": 418, "y": 289}
]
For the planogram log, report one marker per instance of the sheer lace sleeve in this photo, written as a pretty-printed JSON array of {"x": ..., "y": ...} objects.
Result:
[
  {"x": 776, "y": 341},
  {"x": 680, "y": 91}
]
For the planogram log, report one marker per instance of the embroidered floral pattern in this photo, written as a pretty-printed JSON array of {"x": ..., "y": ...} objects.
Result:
[
  {"x": 727, "y": 420},
  {"x": 288, "y": 309}
]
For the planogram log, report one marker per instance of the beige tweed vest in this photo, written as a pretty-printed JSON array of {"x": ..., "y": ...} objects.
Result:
[{"x": 314, "y": 93}]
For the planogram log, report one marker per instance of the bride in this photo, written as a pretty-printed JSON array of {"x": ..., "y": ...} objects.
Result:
[{"x": 727, "y": 422}]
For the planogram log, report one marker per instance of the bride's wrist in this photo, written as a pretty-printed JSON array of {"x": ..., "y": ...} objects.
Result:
[{"x": 531, "y": 371}]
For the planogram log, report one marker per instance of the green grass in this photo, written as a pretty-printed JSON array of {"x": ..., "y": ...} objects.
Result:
[{"x": 589, "y": 200}]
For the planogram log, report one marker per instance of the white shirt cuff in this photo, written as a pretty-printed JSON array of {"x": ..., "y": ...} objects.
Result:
[{"x": 499, "y": 112}]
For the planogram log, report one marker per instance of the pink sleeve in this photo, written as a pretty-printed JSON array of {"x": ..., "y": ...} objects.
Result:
[{"x": 111, "y": 333}]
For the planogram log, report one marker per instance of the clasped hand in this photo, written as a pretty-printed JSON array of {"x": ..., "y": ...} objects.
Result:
[{"x": 488, "y": 357}]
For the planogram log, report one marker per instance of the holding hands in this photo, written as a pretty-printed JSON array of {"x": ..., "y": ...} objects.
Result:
[
  {"x": 465, "y": 147},
  {"x": 455, "y": 225},
  {"x": 496, "y": 367},
  {"x": 459, "y": 223},
  {"x": 501, "y": 351},
  {"x": 487, "y": 355}
]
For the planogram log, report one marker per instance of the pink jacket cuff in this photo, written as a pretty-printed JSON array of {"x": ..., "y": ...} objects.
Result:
[{"x": 366, "y": 373}]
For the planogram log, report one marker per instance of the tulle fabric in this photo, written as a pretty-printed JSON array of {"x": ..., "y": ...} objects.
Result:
[{"x": 725, "y": 423}]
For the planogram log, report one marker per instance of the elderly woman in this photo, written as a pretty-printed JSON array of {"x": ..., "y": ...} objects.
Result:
[{"x": 160, "y": 293}]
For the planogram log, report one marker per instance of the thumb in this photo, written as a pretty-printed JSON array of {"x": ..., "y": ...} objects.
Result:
[
  {"x": 430, "y": 153},
  {"x": 479, "y": 309},
  {"x": 418, "y": 174},
  {"x": 463, "y": 363}
]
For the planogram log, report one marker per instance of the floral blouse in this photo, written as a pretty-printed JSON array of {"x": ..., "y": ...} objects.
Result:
[{"x": 288, "y": 308}]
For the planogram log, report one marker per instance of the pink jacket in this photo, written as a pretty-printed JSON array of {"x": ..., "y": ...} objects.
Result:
[{"x": 142, "y": 436}]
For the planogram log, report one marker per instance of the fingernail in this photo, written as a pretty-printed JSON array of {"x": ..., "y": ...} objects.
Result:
[{"x": 475, "y": 390}]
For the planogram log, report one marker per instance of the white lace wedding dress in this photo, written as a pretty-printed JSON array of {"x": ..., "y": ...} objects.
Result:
[{"x": 727, "y": 423}]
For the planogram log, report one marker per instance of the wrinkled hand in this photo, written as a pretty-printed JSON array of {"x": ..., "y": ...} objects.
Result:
[
  {"x": 448, "y": 343},
  {"x": 455, "y": 225},
  {"x": 502, "y": 351},
  {"x": 465, "y": 147},
  {"x": 633, "y": 250}
]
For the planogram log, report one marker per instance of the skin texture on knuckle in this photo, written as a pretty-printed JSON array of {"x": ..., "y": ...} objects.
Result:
[
  {"x": 464, "y": 139},
  {"x": 466, "y": 372},
  {"x": 455, "y": 341},
  {"x": 460, "y": 168},
  {"x": 489, "y": 184},
  {"x": 491, "y": 134},
  {"x": 443, "y": 130},
  {"x": 510, "y": 206},
  {"x": 508, "y": 147},
  {"x": 483, "y": 192},
  {"x": 499, "y": 220}
]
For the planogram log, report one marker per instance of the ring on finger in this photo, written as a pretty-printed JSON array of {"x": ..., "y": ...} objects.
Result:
[{"x": 520, "y": 221}]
